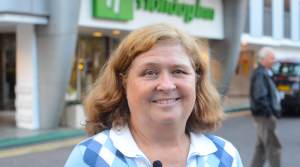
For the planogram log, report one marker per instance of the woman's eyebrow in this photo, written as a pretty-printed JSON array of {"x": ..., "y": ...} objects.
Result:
[
  {"x": 148, "y": 64},
  {"x": 152, "y": 63},
  {"x": 182, "y": 65}
]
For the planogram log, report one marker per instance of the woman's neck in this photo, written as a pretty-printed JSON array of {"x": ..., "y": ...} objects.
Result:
[
  {"x": 166, "y": 143},
  {"x": 158, "y": 134}
]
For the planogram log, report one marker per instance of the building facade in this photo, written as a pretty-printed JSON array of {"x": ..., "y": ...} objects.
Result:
[
  {"x": 274, "y": 23},
  {"x": 52, "y": 50}
]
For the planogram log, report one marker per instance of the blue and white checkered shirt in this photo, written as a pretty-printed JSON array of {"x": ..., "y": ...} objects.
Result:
[{"x": 112, "y": 148}]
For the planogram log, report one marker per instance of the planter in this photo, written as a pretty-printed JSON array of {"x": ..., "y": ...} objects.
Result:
[{"x": 75, "y": 117}]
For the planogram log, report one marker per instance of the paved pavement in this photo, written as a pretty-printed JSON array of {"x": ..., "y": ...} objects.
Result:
[
  {"x": 47, "y": 154},
  {"x": 13, "y": 136},
  {"x": 235, "y": 101},
  {"x": 238, "y": 129}
]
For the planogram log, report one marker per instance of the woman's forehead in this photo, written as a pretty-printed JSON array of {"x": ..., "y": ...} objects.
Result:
[
  {"x": 164, "y": 55},
  {"x": 168, "y": 50}
]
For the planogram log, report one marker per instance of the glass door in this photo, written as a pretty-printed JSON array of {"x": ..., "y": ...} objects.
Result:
[
  {"x": 91, "y": 55},
  {"x": 7, "y": 71}
]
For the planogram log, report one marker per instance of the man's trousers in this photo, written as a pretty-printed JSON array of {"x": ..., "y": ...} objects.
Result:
[{"x": 267, "y": 146}]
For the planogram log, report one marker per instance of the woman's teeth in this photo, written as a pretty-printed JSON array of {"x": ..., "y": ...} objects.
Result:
[{"x": 165, "y": 101}]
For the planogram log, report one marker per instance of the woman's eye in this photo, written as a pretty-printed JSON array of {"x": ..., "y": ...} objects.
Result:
[
  {"x": 178, "y": 72},
  {"x": 150, "y": 73}
]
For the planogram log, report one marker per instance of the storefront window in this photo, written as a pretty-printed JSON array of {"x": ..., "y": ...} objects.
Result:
[
  {"x": 91, "y": 55},
  {"x": 8, "y": 71}
]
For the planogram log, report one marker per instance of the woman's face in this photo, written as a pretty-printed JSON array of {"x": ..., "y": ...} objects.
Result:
[{"x": 161, "y": 86}]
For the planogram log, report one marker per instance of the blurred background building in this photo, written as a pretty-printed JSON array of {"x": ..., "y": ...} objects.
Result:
[
  {"x": 273, "y": 23},
  {"x": 52, "y": 50}
]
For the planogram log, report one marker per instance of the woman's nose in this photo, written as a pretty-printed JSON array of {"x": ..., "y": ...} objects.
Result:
[{"x": 166, "y": 83}]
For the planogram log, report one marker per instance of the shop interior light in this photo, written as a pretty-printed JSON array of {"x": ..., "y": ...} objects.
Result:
[
  {"x": 97, "y": 34},
  {"x": 116, "y": 32},
  {"x": 244, "y": 43},
  {"x": 81, "y": 60}
]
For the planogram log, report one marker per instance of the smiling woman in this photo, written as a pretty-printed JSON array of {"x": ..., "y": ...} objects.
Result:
[
  {"x": 161, "y": 83},
  {"x": 154, "y": 101}
]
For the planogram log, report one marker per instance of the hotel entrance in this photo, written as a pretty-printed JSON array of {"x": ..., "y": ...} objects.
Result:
[
  {"x": 8, "y": 71},
  {"x": 7, "y": 78},
  {"x": 91, "y": 55}
]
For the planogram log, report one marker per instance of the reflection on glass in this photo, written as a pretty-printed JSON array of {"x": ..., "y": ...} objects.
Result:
[
  {"x": 90, "y": 57},
  {"x": 286, "y": 69},
  {"x": 8, "y": 71}
]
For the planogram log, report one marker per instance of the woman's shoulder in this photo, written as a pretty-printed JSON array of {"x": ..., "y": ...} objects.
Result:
[
  {"x": 218, "y": 150},
  {"x": 100, "y": 138},
  {"x": 226, "y": 152},
  {"x": 99, "y": 149},
  {"x": 100, "y": 144},
  {"x": 220, "y": 142}
]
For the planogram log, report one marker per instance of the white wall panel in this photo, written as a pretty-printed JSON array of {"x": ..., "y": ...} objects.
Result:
[
  {"x": 295, "y": 20},
  {"x": 27, "y": 101},
  {"x": 277, "y": 19},
  {"x": 256, "y": 17},
  {"x": 30, "y": 7}
]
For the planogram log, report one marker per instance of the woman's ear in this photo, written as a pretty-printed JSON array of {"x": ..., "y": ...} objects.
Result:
[{"x": 124, "y": 81}]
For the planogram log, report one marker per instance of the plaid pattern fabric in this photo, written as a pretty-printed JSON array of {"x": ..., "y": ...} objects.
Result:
[
  {"x": 226, "y": 156},
  {"x": 99, "y": 151}
]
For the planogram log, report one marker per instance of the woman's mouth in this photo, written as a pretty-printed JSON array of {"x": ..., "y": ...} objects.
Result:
[{"x": 165, "y": 101}]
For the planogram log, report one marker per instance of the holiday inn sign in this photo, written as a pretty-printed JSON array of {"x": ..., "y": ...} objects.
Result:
[{"x": 123, "y": 9}]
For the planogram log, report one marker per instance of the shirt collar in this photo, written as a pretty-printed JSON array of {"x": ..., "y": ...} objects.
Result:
[
  {"x": 270, "y": 73},
  {"x": 124, "y": 142},
  {"x": 201, "y": 145}
]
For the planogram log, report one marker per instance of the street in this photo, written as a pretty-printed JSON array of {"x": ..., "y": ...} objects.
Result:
[{"x": 237, "y": 128}]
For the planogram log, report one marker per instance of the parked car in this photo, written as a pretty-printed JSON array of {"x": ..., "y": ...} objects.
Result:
[{"x": 287, "y": 79}]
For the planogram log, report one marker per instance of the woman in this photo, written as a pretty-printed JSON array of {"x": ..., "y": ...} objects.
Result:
[{"x": 154, "y": 101}]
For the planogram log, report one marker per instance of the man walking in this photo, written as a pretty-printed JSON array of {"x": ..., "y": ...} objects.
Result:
[{"x": 265, "y": 107}]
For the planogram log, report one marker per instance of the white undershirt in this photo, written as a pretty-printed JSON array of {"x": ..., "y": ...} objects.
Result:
[{"x": 279, "y": 95}]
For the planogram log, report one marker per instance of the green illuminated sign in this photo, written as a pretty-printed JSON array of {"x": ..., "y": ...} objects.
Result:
[
  {"x": 113, "y": 9},
  {"x": 123, "y": 9}
]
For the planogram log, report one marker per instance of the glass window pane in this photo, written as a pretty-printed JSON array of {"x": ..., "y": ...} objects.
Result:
[{"x": 90, "y": 57}]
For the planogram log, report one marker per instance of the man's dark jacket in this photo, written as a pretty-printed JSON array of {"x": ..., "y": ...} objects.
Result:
[{"x": 263, "y": 94}]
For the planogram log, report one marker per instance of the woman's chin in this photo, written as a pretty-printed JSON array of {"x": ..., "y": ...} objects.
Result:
[{"x": 167, "y": 120}]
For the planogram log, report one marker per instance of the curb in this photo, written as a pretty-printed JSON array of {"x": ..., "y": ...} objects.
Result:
[
  {"x": 74, "y": 133},
  {"x": 236, "y": 109},
  {"x": 40, "y": 138}
]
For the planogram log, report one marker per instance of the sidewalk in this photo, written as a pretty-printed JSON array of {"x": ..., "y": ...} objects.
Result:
[
  {"x": 11, "y": 136},
  {"x": 236, "y": 103}
]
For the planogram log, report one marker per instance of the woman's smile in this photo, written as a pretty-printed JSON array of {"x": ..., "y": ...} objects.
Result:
[{"x": 166, "y": 101}]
